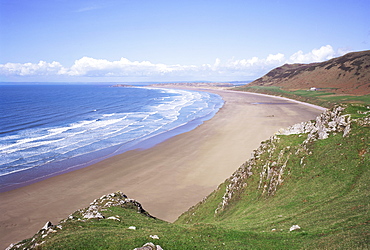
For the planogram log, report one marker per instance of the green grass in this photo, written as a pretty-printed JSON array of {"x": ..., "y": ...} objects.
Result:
[
  {"x": 365, "y": 99},
  {"x": 328, "y": 197},
  {"x": 326, "y": 194},
  {"x": 322, "y": 97},
  {"x": 107, "y": 234}
]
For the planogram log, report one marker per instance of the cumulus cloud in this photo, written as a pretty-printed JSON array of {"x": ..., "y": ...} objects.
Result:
[
  {"x": 316, "y": 55},
  {"x": 27, "y": 69},
  {"x": 243, "y": 67},
  {"x": 236, "y": 68},
  {"x": 88, "y": 66}
]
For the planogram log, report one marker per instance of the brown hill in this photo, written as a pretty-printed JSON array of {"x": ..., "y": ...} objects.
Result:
[{"x": 348, "y": 74}]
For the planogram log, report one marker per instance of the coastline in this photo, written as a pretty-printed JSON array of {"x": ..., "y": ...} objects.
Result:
[
  {"x": 65, "y": 162},
  {"x": 168, "y": 178}
]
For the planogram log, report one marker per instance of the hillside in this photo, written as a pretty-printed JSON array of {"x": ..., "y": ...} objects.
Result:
[
  {"x": 306, "y": 188},
  {"x": 315, "y": 175},
  {"x": 348, "y": 74}
]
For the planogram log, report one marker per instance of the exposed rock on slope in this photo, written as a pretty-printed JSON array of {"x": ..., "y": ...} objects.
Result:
[
  {"x": 349, "y": 74},
  {"x": 329, "y": 121},
  {"x": 272, "y": 173},
  {"x": 93, "y": 211}
]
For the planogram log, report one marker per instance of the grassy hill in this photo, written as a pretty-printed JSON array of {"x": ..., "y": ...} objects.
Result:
[
  {"x": 320, "y": 185},
  {"x": 348, "y": 74},
  {"x": 296, "y": 178},
  {"x": 345, "y": 79},
  {"x": 321, "y": 97}
]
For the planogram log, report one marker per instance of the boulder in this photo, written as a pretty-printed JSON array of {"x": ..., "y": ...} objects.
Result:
[
  {"x": 113, "y": 218},
  {"x": 154, "y": 237},
  {"x": 47, "y": 225},
  {"x": 294, "y": 227},
  {"x": 149, "y": 246}
]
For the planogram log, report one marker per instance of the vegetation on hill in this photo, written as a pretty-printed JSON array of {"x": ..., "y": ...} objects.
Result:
[
  {"x": 321, "y": 185},
  {"x": 348, "y": 74},
  {"x": 321, "y": 97},
  {"x": 305, "y": 188},
  {"x": 345, "y": 79}
]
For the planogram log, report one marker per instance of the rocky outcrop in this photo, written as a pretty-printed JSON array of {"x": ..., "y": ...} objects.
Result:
[
  {"x": 93, "y": 211},
  {"x": 331, "y": 121},
  {"x": 38, "y": 239},
  {"x": 110, "y": 200},
  {"x": 149, "y": 246},
  {"x": 237, "y": 180},
  {"x": 271, "y": 172}
]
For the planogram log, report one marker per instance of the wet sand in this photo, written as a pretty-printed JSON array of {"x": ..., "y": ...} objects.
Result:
[{"x": 166, "y": 179}]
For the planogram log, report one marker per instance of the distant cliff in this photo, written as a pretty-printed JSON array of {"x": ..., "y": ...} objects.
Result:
[{"x": 348, "y": 74}]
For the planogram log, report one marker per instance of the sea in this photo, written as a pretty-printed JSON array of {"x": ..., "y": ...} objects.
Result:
[{"x": 47, "y": 130}]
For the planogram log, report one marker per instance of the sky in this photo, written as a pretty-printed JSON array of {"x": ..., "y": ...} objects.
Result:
[{"x": 169, "y": 40}]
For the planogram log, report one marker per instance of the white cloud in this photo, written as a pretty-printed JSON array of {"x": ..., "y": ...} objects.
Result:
[
  {"x": 275, "y": 58},
  {"x": 316, "y": 55},
  {"x": 244, "y": 67},
  {"x": 233, "y": 68},
  {"x": 87, "y": 66},
  {"x": 27, "y": 69}
]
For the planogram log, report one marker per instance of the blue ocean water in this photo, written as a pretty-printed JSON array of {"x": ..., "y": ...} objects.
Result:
[{"x": 50, "y": 129}]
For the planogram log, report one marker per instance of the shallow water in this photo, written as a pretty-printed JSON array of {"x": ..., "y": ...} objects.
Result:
[{"x": 50, "y": 129}]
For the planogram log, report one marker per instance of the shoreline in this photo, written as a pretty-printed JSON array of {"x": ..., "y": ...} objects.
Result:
[
  {"x": 30, "y": 176},
  {"x": 167, "y": 178}
]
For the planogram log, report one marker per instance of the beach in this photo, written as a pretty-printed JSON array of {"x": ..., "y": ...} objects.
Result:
[{"x": 166, "y": 179}]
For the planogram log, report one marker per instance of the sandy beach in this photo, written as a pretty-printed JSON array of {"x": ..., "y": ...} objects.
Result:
[{"x": 166, "y": 179}]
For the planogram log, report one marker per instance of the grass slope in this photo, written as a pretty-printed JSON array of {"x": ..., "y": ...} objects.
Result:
[
  {"x": 325, "y": 191},
  {"x": 326, "y": 194},
  {"x": 322, "y": 97}
]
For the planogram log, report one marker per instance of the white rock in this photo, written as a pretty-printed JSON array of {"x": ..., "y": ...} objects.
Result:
[
  {"x": 154, "y": 237},
  {"x": 113, "y": 218},
  {"x": 10, "y": 247},
  {"x": 36, "y": 245},
  {"x": 294, "y": 227},
  {"x": 47, "y": 225},
  {"x": 93, "y": 215},
  {"x": 149, "y": 246},
  {"x": 132, "y": 227}
]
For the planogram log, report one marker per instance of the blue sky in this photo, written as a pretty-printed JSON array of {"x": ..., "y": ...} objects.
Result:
[{"x": 162, "y": 40}]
